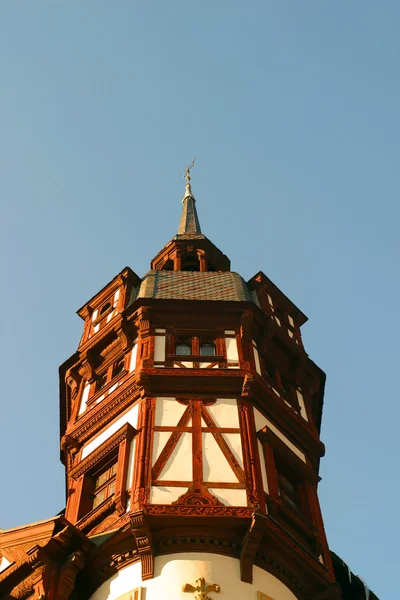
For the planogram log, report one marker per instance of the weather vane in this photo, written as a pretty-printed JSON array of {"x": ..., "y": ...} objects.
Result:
[{"x": 187, "y": 172}]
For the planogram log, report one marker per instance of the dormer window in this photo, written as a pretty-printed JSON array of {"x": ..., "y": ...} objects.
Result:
[{"x": 104, "y": 308}]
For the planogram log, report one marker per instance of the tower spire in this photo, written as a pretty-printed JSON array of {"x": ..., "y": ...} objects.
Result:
[{"x": 189, "y": 223}]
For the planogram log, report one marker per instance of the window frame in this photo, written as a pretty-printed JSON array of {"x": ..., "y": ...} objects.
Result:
[
  {"x": 280, "y": 458},
  {"x": 115, "y": 450},
  {"x": 196, "y": 340},
  {"x": 110, "y": 379}
]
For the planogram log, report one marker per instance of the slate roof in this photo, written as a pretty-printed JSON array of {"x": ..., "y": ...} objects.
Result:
[
  {"x": 193, "y": 285},
  {"x": 189, "y": 222}
]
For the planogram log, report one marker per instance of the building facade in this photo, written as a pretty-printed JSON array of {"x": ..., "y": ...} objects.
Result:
[{"x": 189, "y": 430}]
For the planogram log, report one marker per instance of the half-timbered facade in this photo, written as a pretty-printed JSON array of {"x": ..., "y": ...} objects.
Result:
[{"x": 190, "y": 419}]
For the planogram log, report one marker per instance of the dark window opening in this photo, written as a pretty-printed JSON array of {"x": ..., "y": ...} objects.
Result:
[
  {"x": 270, "y": 370},
  {"x": 207, "y": 349},
  {"x": 183, "y": 348},
  {"x": 287, "y": 490},
  {"x": 105, "y": 307},
  {"x": 285, "y": 386},
  {"x": 101, "y": 382},
  {"x": 168, "y": 266},
  {"x": 118, "y": 367},
  {"x": 190, "y": 263}
]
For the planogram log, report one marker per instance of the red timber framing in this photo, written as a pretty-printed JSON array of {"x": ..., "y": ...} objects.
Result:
[
  {"x": 197, "y": 493},
  {"x": 266, "y": 530}
]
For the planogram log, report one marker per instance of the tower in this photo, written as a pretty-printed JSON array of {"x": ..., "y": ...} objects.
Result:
[{"x": 190, "y": 417}]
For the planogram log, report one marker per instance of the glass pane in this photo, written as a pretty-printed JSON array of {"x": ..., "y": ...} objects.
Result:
[
  {"x": 207, "y": 350},
  {"x": 183, "y": 349},
  {"x": 101, "y": 479},
  {"x": 99, "y": 498}
]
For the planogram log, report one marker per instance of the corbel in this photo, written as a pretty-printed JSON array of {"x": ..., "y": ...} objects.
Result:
[
  {"x": 144, "y": 542},
  {"x": 247, "y": 387},
  {"x": 73, "y": 380},
  {"x": 44, "y": 575},
  {"x": 87, "y": 370},
  {"x": 250, "y": 545},
  {"x": 142, "y": 322},
  {"x": 143, "y": 385},
  {"x": 124, "y": 336},
  {"x": 69, "y": 444},
  {"x": 68, "y": 573}
]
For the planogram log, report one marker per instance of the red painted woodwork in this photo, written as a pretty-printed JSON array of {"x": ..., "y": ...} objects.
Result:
[{"x": 286, "y": 540}]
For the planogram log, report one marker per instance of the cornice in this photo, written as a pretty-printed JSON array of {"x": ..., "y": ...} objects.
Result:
[
  {"x": 292, "y": 424},
  {"x": 125, "y": 432},
  {"x": 104, "y": 412}
]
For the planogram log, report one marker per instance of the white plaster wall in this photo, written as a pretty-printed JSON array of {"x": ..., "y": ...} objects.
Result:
[
  {"x": 4, "y": 563},
  {"x": 303, "y": 411},
  {"x": 168, "y": 412},
  {"x": 224, "y": 412},
  {"x": 263, "y": 467},
  {"x": 179, "y": 464},
  {"x": 85, "y": 396},
  {"x": 165, "y": 495},
  {"x": 129, "y": 476},
  {"x": 235, "y": 445},
  {"x": 132, "y": 363},
  {"x": 262, "y": 421},
  {"x": 129, "y": 417},
  {"x": 231, "y": 349},
  {"x": 159, "y": 347},
  {"x": 215, "y": 465},
  {"x": 230, "y": 497},
  {"x": 174, "y": 570}
]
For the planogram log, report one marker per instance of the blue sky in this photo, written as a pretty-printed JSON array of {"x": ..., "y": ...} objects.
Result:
[{"x": 292, "y": 109}]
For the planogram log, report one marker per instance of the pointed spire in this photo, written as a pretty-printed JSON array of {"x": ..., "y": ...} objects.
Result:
[{"x": 189, "y": 222}]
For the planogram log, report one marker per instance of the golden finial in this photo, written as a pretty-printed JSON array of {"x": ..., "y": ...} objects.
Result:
[{"x": 187, "y": 172}]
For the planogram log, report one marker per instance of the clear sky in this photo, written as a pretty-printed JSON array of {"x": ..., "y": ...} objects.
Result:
[{"x": 292, "y": 109}]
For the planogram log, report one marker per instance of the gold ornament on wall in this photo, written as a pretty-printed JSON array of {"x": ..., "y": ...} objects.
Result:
[{"x": 201, "y": 590}]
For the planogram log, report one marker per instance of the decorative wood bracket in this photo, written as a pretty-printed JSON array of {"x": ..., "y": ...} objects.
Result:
[
  {"x": 144, "y": 541},
  {"x": 87, "y": 370},
  {"x": 250, "y": 546},
  {"x": 69, "y": 444},
  {"x": 124, "y": 336},
  {"x": 142, "y": 322},
  {"x": 73, "y": 380},
  {"x": 247, "y": 386},
  {"x": 68, "y": 573}
]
